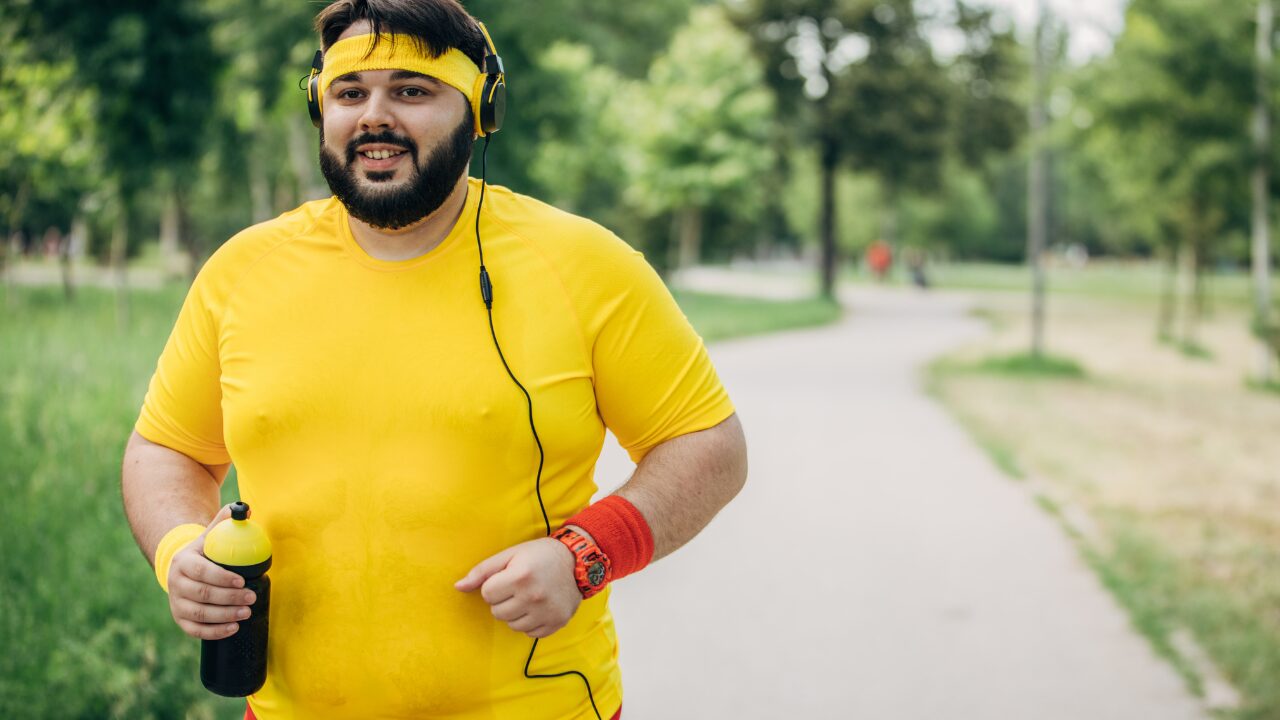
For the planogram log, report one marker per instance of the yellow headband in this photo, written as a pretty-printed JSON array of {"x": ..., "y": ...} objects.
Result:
[{"x": 398, "y": 52}]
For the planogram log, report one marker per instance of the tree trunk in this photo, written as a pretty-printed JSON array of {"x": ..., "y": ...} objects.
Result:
[
  {"x": 889, "y": 222},
  {"x": 1168, "y": 294},
  {"x": 827, "y": 220},
  {"x": 15, "y": 221},
  {"x": 193, "y": 251},
  {"x": 689, "y": 241},
  {"x": 118, "y": 258},
  {"x": 77, "y": 247},
  {"x": 1038, "y": 187},
  {"x": 1264, "y": 369},
  {"x": 171, "y": 260},
  {"x": 64, "y": 262},
  {"x": 1187, "y": 281}
]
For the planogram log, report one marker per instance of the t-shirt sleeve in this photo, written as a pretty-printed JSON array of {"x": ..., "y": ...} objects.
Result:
[
  {"x": 183, "y": 405},
  {"x": 653, "y": 378}
]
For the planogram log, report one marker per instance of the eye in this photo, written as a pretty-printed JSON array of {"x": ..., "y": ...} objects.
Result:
[
  {"x": 349, "y": 94},
  {"x": 415, "y": 92}
]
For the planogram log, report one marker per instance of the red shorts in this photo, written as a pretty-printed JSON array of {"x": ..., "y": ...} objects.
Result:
[{"x": 248, "y": 714}]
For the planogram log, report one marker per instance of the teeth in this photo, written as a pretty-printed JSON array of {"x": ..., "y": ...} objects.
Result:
[{"x": 382, "y": 154}]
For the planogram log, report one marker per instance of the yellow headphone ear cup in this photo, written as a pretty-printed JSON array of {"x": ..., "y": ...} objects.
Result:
[{"x": 477, "y": 100}]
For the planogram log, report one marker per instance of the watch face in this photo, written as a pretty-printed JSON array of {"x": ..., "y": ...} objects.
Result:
[{"x": 595, "y": 573}]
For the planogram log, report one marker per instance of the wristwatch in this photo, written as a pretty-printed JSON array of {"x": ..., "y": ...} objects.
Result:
[{"x": 591, "y": 568}]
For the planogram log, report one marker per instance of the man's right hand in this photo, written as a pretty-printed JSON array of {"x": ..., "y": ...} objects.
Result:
[{"x": 205, "y": 599}]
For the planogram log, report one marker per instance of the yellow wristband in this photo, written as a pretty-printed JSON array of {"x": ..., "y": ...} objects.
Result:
[{"x": 170, "y": 544}]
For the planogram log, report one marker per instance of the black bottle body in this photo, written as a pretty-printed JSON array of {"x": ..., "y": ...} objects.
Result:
[{"x": 237, "y": 666}]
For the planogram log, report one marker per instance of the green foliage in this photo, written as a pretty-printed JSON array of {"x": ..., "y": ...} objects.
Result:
[
  {"x": 622, "y": 36},
  {"x": 961, "y": 219},
  {"x": 706, "y": 119},
  {"x": 46, "y": 155},
  {"x": 580, "y": 157},
  {"x": 1168, "y": 120}
]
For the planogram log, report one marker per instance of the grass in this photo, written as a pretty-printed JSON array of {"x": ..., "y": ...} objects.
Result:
[
  {"x": 1029, "y": 365},
  {"x": 85, "y": 628},
  {"x": 1271, "y": 386},
  {"x": 719, "y": 317},
  {"x": 1116, "y": 280},
  {"x": 1170, "y": 454}
]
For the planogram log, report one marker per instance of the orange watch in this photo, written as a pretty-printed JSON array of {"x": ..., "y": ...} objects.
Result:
[{"x": 591, "y": 568}]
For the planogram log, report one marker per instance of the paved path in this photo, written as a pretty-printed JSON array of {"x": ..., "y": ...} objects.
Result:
[{"x": 877, "y": 565}]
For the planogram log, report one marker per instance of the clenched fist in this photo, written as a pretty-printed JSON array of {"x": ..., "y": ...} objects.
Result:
[
  {"x": 205, "y": 599},
  {"x": 530, "y": 586}
]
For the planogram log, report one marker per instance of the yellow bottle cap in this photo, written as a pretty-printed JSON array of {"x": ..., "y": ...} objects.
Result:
[{"x": 237, "y": 541}]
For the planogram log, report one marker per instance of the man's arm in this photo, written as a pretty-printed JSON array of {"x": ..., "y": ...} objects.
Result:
[
  {"x": 164, "y": 488},
  {"x": 681, "y": 484},
  {"x": 678, "y": 487}
]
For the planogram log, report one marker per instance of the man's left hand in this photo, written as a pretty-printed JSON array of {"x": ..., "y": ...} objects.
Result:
[{"x": 530, "y": 586}]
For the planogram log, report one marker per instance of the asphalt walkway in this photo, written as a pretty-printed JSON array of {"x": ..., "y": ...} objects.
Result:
[{"x": 877, "y": 565}]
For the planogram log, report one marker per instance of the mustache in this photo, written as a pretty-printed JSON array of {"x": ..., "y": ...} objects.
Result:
[{"x": 387, "y": 138}]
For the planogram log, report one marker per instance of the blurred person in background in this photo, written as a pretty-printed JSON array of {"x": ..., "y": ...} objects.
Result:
[
  {"x": 916, "y": 260},
  {"x": 879, "y": 259},
  {"x": 416, "y": 435}
]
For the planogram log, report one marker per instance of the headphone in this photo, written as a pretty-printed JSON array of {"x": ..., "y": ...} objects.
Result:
[{"x": 488, "y": 97}]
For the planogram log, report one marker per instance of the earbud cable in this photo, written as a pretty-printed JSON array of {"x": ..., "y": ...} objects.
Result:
[{"x": 486, "y": 294}]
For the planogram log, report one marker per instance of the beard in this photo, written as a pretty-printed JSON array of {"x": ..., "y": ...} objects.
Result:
[{"x": 394, "y": 207}]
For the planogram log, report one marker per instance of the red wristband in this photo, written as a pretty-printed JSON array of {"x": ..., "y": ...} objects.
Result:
[{"x": 621, "y": 533}]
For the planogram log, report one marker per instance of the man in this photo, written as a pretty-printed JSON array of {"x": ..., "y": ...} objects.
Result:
[{"x": 373, "y": 399}]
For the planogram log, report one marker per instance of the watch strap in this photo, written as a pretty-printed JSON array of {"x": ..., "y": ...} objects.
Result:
[{"x": 591, "y": 567}]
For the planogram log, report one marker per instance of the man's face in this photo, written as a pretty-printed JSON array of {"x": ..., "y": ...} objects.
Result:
[{"x": 393, "y": 143}]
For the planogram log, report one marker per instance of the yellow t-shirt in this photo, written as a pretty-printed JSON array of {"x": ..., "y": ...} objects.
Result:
[{"x": 385, "y": 450}]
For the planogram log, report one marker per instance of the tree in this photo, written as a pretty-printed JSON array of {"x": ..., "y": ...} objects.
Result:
[
  {"x": 1038, "y": 182},
  {"x": 46, "y": 153},
  {"x": 152, "y": 69},
  {"x": 1261, "y": 246},
  {"x": 1171, "y": 108},
  {"x": 876, "y": 97},
  {"x": 704, "y": 136}
]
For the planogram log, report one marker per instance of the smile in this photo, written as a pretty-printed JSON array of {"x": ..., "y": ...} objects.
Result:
[{"x": 380, "y": 160}]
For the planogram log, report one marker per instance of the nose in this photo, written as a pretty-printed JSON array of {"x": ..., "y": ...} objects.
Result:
[{"x": 377, "y": 113}]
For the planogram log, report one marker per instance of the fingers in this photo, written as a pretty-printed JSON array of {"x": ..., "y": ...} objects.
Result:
[
  {"x": 515, "y": 613},
  {"x": 486, "y": 569},
  {"x": 185, "y": 587},
  {"x": 499, "y": 588},
  {"x": 207, "y": 632},
  {"x": 203, "y": 614},
  {"x": 509, "y": 610},
  {"x": 201, "y": 569}
]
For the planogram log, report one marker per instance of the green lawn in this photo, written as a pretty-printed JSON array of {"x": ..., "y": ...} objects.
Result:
[
  {"x": 719, "y": 317},
  {"x": 85, "y": 628},
  {"x": 1138, "y": 281}
]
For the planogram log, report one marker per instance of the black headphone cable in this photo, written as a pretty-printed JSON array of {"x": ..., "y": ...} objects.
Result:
[{"x": 486, "y": 294}]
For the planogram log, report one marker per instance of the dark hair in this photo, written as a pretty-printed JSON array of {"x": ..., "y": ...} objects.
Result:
[{"x": 435, "y": 25}]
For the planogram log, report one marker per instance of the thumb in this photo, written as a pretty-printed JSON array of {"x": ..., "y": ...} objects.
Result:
[
  {"x": 223, "y": 514},
  {"x": 485, "y": 570}
]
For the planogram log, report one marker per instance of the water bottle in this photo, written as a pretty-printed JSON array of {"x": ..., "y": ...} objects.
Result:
[{"x": 236, "y": 666}]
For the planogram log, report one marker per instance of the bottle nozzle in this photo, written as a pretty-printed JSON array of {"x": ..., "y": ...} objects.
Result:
[{"x": 239, "y": 511}]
